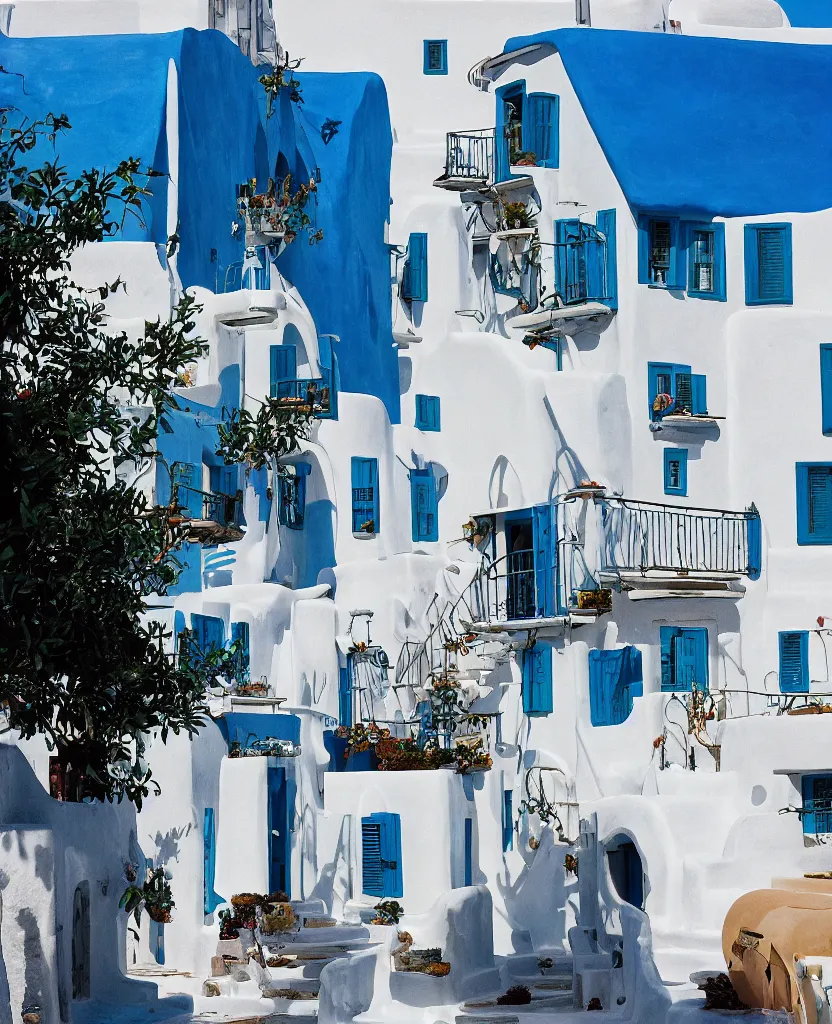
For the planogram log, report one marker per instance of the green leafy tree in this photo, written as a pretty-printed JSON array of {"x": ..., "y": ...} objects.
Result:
[{"x": 79, "y": 548}]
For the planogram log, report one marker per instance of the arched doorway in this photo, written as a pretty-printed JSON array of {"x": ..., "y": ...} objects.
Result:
[
  {"x": 81, "y": 942},
  {"x": 626, "y": 869}
]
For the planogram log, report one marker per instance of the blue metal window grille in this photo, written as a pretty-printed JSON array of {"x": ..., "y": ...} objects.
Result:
[{"x": 435, "y": 57}]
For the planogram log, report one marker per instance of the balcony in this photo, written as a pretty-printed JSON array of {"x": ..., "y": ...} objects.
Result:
[
  {"x": 222, "y": 515},
  {"x": 311, "y": 396},
  {"x": 651, "y": 550},
  {"x": 469, "y": 160}
]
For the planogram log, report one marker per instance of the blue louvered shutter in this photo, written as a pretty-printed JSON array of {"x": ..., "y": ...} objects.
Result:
[
  {"x": 543, "y": 539},
  {"x": 820, "y": 501},
  {"x": 381, "y": 855},
  {"x": 826, "y": 388},
  {"x": 372, "y": 873},
  {"x": 605, "y": 222},
  {"x": 188, "y": 476},
  {"x": 345, "y": 695},
  {"x": 699, "y": 394},
  {"x": 329, "y": 374},
  {"x": 469, "y": 852},
  {"x": 240, "y": 632},
  {"x": 754, "y": 542},
  {"x": 282, "y": 366},
  {"x": 794, "y": 662},
  {"x": 570, "y": 261},
  {"x": 541, "y": 128},
  {"x": 592, "y": 250},
  {"x": 209, "y": 632},
  {"x": 415, "y": 278},
  {"x": 772, "y": 263},
  {"x": 365, "y": 503},
  {"x": 614, "y": 679},
  {"x": 210, "y": 899},
  {"x": 537, "y": 680},
  {"x": 508, "y": 821},
  {"x": 423, "y": 505}
]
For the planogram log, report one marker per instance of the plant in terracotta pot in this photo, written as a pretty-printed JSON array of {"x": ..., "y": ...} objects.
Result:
[
  {"x": 154, "y": 895},
  {"x": 525, "y": 159},
  {"x": 387, "y": 912}
]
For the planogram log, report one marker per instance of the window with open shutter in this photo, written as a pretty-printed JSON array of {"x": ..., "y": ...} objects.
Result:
[
  {"x": 282, "y": 366},
  {"x": 676, "y": 471},
  {"x": 537, "y": 680},
  {"x": 794, "y": 661},
  {"x": 661, "y": 261},
  {"x": 615, "y": 678},
  {"x": 381, "y": 856},
  {"x": 423, "y": 505},
  {"x": 706, "y": 260},
  {"x": 435, "y": 57},
  {"x": 415, "y": 274},
  {"x": 427, "y": 412},
  {"x": 768, "y": 264},
  {"x": 209, "y": 632},
  {"x": 541, "y": 129},
  {"x": 365, "y": 504},
  {"x": 684, "y": 658},
  {"x": 817, "y": 804},
  {"x": 291, "y": 488}
]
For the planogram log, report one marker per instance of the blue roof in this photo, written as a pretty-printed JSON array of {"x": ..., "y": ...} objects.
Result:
[{"x": 722, "y": 127}]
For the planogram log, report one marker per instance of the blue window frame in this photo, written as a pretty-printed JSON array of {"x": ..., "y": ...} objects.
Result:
[
  {"x": 381, "y": 855},
  {"x": 605, "y": 222},
  {"x": 469, "y": 851},
  {"x": 580, "y": 262},
  {"x": 423, "y": 505},
  {"x": 328, "y": 361},
  {"x": 768, "y": 264},
  {"x": 684, "y": 658},
  {"x": 291, "y": 492},
  {"x": 661, "y": 256},
  {"x": 209, "y": 848},
  {"x": 508, "y": 821},
  {"x": 706, "y": 260},
  {"x": 283, "y": 365},
  {"x": 509, "y": 137},
  {"x": 427, "y": 412},
  {"x": 676, "y": 471},
  {"x": 187, "y": 477},
  {"x": 814, "y": 502},
  {"x": 537, "y": 680},
  {"x": 541, "y": 128},
  {"x": 615, "y": 678},
  {"x": 826, "y": 388},
  {"x": 687, "y": 390},
  {"x": 435, "y": 57},
  {"x": 209, "y": 632},
  {"x": 365, "y": 509},
  {"x": 794, "y": 661},
  {"x": 816, "y": 791},
  {"x": 415, "y": 273}
]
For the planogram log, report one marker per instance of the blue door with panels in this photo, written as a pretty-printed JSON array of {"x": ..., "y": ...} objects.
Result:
[
  {"x": 615, "y": 678},
  {"x": 794, "y": 661},
  {"x": 424, "y": 511},
  {"x": 281, "y": 811},
  {"x": 381, "y": 856},
  {"x": 545, "y": 569},
  {"x": 538, "y": 698},
  {"x": 209, "y": 632},
  {"x": 469, "y": 851},
  {"x": 684, "y": 658}
]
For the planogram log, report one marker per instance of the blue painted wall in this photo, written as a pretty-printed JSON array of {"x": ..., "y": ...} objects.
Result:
[{"x": 808, "y": 13}]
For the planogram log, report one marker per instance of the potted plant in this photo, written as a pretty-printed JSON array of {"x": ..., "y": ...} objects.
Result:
[
  {"x": 525, "y": 158},
  {"x": 154, "y": 895},
  {"x": 387, "y": 912}
]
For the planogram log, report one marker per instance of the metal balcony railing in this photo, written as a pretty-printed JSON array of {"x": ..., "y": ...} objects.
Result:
[
  {"x": 221, "y": 514},
  {"x": 256, "y": 278},
  {"x": 640, "y": 536},
  {"x": 470, "y": 155},
  {"x": 308, "y": 394},
  {"x": 580, "y": 273},
  {"x": 816, "y": 815}
]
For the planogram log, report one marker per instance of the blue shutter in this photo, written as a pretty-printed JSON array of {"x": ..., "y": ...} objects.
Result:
[
  {"x": 435, "y": 57},
  {"x": 210, "y": 899},
  {"x": 541, "y": 128},
  {"x": 329, "y": 374},
  {"x": 344, "y": 695},
  {"x": 592, "y": 251},
  {"x": 605, "y": 222},
  {"x": 240, "y": 631},
  {"x": 427, "y": 412},
  {"x": 817, "y": 804},
  {"x": 365, "y": 503},
  {"x": 826, "y": 388},
  {"x": 684, "y": 658},
  {"x": 178, "y": 625},
  {"x": 614, "y": 679},
  {"x": 794, "y": 662},
  {"x": 537, "y": 680},
  {"x": 515, "y": 91},
  {"x": 423, "y": 505},
  {"x": 768, "y": 264},
  {"x": 415, "y": 278},
  {"x": 282, "y": 366},
  {"x": 469, "y": 852},
  {"x": 699, "y": 394},
  {"x": 372, "y": 873},
  {"x": 676, "y": 471},
  {"x": 209, "y": 632},
  {"x": 634, "y": 671},
  {"x": 819, "y": 506},
  {"x": 652, "y": 231},
  {"x": 188, "y": 476},
  {"x": 508, "y": 821},
  {"x": 570, "y": 261},
  {"x": 543, "y": 539},
  {"x": 381, "y": 855}
]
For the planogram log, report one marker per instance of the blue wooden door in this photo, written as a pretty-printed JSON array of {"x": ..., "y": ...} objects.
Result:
[
  {"x": 469, "y": 851},
  {"x": 543, "y": 535},
  {"x": 281, "y": 812},
  {"x": 188, "y": 478},
  {"x": 282, "y": 366}
]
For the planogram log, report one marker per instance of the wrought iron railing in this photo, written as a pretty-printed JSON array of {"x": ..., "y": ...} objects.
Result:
[
  {"x": 581, "y": 270},
  {"x": 223, "y": 509},
  {"x": 816, "y": 815},
  {"x": 505, "y": 590},
  {"x": 470, "y": 155},
  {"x": 308, "y": 394},
  {"x": 640, "y": 536},
  {"x": 257, "y": 278}
]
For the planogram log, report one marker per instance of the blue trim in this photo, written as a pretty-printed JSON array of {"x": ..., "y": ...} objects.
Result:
[
  {"x": 676, "y": 471},
  {"x": 826, "y": 388},
  {"x": 210, "y": 898},
  {"x": 430, "y": 64},
  {"x": 502, "y": 146},
  {"x": 423, "y": 505},
  {"x": 345, "y": 695},
  {"x": 469, "y": 852},
  {"x": 541, "y": 128},
  {"x": 605, "y": 222},
  {"x": 615, "y": 678},
  {"x": 428, "y": 412},
  {"x": 718, "y": 288},
  {"x": 675, "y": 270},
  {"x": 684, "y": 658},
  {"x": 415, "y": 272},
  {"x": 381, "y": 856},
  {"x": 793, "y": 648},
  {"x": 365, "y": 504},
  {"x": 814, "y": 502},
  {"x": 508, "y": 821},
  {"x": 771, "y": 284},
  {"x": 537, "y": 680}
]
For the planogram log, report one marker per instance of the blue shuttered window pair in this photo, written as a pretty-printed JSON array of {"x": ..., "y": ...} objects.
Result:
[
  {"x": 615, "y": 678},
  {"x": 365, "y": 506},
  {"x": 527, "y": 125},
  {"x": 538, "y": 698},
  {"x": 794, "y": 661},
  {"x": 682, "y": 255},
  {"x": 291, "y": 493},
  {"x": 768, "y": 264},
  {"x": 415, "y": 273},
  {"x": 660, "y": 253},
  {"x": 676, "y": 471},
  {"x": 684, "y": 658},
  {"x": 210, "y": 899},
  {"x": 816, "y": 791},
  {"x": 814, "y": 502},
  {"x": 687, "y": 390},
  {"x": 283, "y": 365},
  {"x": 381, "y": 856},
  {"x": 423, "y": 504},
  {"x": 209, "y": 632},
  {"x": 508, "y": 821},
  {"x": 427, "y": 412},
  {"x": 435, "y": 57}
]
